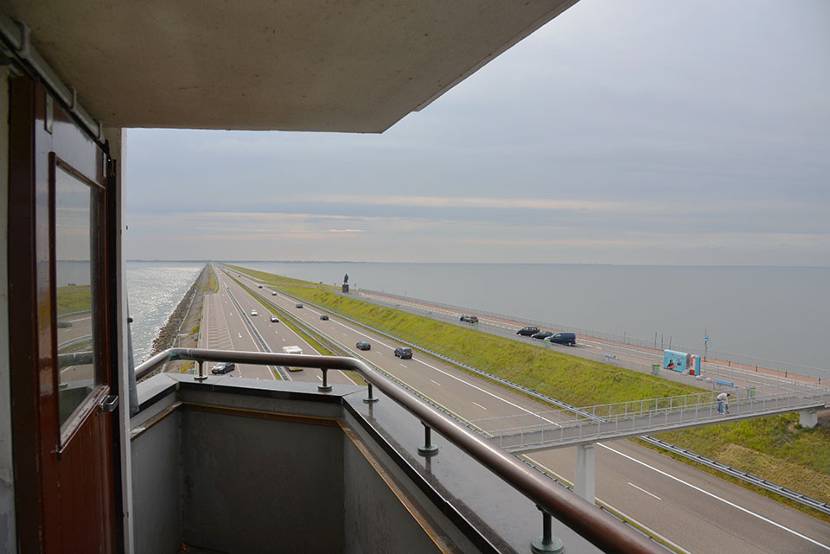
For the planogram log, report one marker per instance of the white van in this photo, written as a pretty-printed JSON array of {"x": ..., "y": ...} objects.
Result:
[{"x": 292, "y": 350}]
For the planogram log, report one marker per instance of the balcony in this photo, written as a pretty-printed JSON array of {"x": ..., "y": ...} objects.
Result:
[{"x": 233, "y": 465}]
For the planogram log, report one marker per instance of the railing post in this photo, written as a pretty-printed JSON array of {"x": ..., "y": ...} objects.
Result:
[
  {"x": 201, "y": 375},
  {"x": 428, "y": 449},
  {"x": 324, "y": 386},
  {"x": 547, "y": 542},
  {"x": 370, "y": 397}
]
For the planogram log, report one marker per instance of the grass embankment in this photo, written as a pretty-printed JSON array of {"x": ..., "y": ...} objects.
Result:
[
  {"x": 211, "y": 284},
  {"x": 574, "y": 380},
  {"x": 74, "y": 298},
  {"x": 774, "y": 448}
]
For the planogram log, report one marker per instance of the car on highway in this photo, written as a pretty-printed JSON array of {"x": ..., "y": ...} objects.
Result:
[
  {"x": 469, "y": 318},
  {"x": 403, "y": 352},
  {"x": 298, "y": 306},
  {"x": 292, "y": 350},
  {"x": 273, "y": 293},
  {"x": 223, "y": 368},
  {"x": 362, "y": 345},
  {"x": 259, "y": 286},
  {"x": 324, "y": 317},
  {"x": 528, "y": 331},
  {"x": 274, "y": 319},
  {"x": 254, "y": 312},
  {"x": 541, "y": 335},
  {"x": 568, "y": 339}
]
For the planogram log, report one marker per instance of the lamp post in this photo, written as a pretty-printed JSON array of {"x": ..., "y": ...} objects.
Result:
[{"x": 705, "y": 344}]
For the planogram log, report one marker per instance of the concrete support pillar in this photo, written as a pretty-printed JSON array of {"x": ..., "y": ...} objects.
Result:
[
  {"x": 808, "y": 418},
  {"x": 585, "y": 484}
]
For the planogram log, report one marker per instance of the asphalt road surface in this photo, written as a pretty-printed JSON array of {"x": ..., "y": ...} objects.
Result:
[{"x": 694, "y": 510}]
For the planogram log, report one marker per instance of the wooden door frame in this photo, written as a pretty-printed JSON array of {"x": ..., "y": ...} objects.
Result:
[{"x": 32, "y": 309}]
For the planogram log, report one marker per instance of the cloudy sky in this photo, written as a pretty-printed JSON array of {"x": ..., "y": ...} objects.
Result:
[{"x": 625, "y": 132}]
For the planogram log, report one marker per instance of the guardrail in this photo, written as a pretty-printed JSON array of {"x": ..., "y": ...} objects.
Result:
[
  {"x": 823, "y": 507},
  {"x": 582, "y": 517}
]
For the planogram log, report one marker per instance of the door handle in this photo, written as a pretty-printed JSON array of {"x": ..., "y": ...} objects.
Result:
[{"x": 109, "y": 403}]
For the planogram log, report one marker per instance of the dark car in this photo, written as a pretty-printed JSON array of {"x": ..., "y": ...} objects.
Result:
[
  {"x": 562, "y": 338},
  {"x": 527, "y": 331},
  {"x": 363, "y": 345},
  {"x": 403, "y": 352},
  {"x": 259, "y": 286},
  {"x": 324, "y": 317},
  {"x": 541, "y": 335},
  {"x": 222, "y": 368},
  {"x": 298, "y": 306},
  {"x": 469, "y": 318}
]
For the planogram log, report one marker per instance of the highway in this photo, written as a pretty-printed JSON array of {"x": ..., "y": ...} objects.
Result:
[
  {"x": 692, "y": 509},
  {"x": 227, "y": 323}
]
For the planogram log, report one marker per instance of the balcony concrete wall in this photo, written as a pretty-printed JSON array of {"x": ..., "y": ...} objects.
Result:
[
  {"x": 157, "y": 476},
  {"x": 376, "y": 514},
  {"x": 243, "y": 471},
  {"x": 261, "y": 485}
]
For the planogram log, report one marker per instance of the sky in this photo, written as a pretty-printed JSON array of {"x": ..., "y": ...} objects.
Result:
[{"x": 624, "y": 132}]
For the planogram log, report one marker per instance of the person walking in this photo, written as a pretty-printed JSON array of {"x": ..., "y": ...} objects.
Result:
[{"x": 721, "y": 403}]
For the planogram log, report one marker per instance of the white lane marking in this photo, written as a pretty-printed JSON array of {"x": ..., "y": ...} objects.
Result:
[
  {"x": 403, "y": 365},
  {"x": 605, "y": 502},
  {"x": 240, "y": 335},
  {"x": 320, "y": 378},
  {"x": 644, "y": 490},
  {"x": 480, "y": 406},
  {"x": 434, "y": 382},
  {"x": 454, "y": 377},
  {"x": 716, "y": 497}
]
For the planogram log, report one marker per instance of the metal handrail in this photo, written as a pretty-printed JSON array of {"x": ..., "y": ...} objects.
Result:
[{"x": 603, "y": 531}]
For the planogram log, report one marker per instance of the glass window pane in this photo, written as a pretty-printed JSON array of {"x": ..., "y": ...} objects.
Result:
[{"x": 74, "y": 274}]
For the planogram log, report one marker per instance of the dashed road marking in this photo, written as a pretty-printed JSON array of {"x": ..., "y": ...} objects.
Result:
[{"x": 644, "y": 490}]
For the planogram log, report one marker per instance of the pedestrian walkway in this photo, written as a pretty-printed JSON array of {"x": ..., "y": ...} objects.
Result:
[{"x": 614, "y": 421}]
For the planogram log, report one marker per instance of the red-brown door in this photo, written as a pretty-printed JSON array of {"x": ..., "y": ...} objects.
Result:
[{"x": 62, "y": 332}]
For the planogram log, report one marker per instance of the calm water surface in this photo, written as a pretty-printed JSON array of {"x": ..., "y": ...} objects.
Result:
[{"x": 777, "y": 315}]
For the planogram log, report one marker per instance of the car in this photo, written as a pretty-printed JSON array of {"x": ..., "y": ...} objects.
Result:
[
  {"x": 403, "y": 352},
  {"x": 254, "y": 312},
  {"x": 469, "y": 318},
  {"x": 259, "y": 286},
  {"x": 223, "y": 368},
  {"x": 562, "y": 338},
  {"x": 298, "y": 306},
  {"x": 292, "y": 350},
  {"x": 324, "y": 317},
  {"x": 274, "y": 319},
  {"x": 528, "y": 331},
  {"x": 273, "y": 293},
  {"x": 541, "y": 335},
  {"x": 362, "y": 345}
]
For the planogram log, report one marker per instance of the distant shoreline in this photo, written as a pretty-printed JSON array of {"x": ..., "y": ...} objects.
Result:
[{"x": 561, "y": 264}]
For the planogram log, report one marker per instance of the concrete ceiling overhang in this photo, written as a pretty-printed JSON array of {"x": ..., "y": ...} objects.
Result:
[{"x": 310, "y": 65}]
